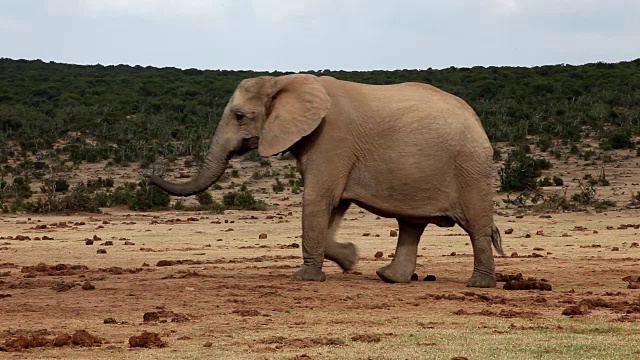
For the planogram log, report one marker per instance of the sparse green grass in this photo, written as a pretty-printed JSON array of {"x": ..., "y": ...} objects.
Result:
[{"x": 474, "y": 337}]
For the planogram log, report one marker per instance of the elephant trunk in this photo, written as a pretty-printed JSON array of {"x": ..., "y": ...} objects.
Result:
[{"x": 215, "y": 163}]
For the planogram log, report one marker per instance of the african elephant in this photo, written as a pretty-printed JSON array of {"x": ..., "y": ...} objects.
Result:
[{"x": 408, "y": 151}]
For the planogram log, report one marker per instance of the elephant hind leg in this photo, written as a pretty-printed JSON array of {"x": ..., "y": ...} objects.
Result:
[
  {"x": 343, "y": 254},
  {"x": 482, "y": 238},
  {"x": 404, "y": 261}
]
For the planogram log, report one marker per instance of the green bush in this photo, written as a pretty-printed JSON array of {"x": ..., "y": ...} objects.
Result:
[
  {"x": 148, "y": 197},
  {"x": 497, "y": 154},
  {"x": 520, "y": 171},
  {"x": 586, "y": 196},
  {"x": 617, "y": 139},
  {"x": 54, "y": 185},
  {"x": 557, "y": 181},
  {"x": 204, "y": 198},
  {"x": 242, "y": 200},
  {"x": 546, "y": 181},
  {"x": 278, "y": 187}
]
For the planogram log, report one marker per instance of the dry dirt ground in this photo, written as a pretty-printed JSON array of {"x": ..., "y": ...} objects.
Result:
[{"x": 212, "y": 286}]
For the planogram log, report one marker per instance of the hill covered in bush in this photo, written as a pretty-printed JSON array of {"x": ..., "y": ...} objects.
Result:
[{"x": 132, "y": 113}]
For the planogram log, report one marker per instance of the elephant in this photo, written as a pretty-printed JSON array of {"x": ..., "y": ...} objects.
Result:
[{"x": 408, "y": 151}]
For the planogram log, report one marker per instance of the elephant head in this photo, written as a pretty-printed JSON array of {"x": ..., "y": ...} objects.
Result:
[{"x": 267, "y": 113}]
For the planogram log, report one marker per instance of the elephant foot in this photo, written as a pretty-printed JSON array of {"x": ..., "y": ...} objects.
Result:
[
  {"x": 481, "y": 281},
  {"x": 308, "y": 273},
  {"x": 393, "y": 273},
  {"x": 343, "y": 254}
]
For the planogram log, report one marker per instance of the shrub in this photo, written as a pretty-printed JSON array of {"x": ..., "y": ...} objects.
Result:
[
  {"x": 99, "y": 183},
  {"x": 204, "y": 198},
  {"x": 586, "y": 196},
  {"x": 242, "y": 200},
  {"x": 278, "y": 187},
  {"x": 523, "y": 199},
  {"x": 252, "y": 155},
  {"x": 521, "y": 171},
  {"x": 544, "y": 143},
  {"x": 574, "y": 149},
  {"x": 55, "y": 185},
  {"x": 497, "y": 154},
  {"x": 21, "y": 188},
  {"x": 148, "y": 197},
  {"x": 179, "y": 205},
  {"x": 79, "y": 199},
  {"x": 557, "y": 181},
  {"x": 546, "y": 181},
  {"x": 617, "y": 139},
  {"x": 555, "y": 201}
]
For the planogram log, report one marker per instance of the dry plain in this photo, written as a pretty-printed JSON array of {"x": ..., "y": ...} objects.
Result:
[{"x": 213, "y": 287}]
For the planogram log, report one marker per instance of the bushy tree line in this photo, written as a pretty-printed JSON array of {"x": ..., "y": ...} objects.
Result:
[{"x": 134, "y": 113}]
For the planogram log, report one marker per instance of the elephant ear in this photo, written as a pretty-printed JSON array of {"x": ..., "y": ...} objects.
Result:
[{"x": 298, "y": 106}]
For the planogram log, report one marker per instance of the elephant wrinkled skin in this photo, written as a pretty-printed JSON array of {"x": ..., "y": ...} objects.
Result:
[{"x": 408, "y": 151}]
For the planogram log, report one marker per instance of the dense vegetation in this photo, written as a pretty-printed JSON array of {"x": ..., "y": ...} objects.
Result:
[
  {"x": 136, "y": 113},
  {"x": 123, "y": 113}
]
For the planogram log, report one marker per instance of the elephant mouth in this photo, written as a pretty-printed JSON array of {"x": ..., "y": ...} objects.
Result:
[{"x": 248, "y": 144}]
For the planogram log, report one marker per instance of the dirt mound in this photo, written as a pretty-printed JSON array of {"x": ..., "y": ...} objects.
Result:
[
  {"x": 43, "y": 269},
  {"x": 281, "y": 341},
  {"x": 505, "y": 313},
  {"x": 146, "y": 340},
  {"x": 246, "y": 312},
  {"x": 63, "y": 286},
  {"x": 366, "y": 338},
  {"x": 117, "y": 270},
  {"x": 24, "y": 339},
  {"x": 585, "y": 306},
  {"x": 164, "y": 316},
  {"x": 84, "y": 338},
  {"x": 634, "y": 282},
  {"x": 179, "y": 262}
]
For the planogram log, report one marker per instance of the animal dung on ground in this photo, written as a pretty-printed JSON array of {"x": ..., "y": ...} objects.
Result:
[
  {"x": 393, "y": 233},
  {"x": 88, "y": 286},
  {"x": 378, "y": 254},
  {"x": 262, "y": 236},
  {"x": 146, "y": 340},
  {"x": 101, "y": 251},
  {"x": 150, "y": 316},
  {"x": 509, "y": 231},
  {"x": 575, "y": 310}
]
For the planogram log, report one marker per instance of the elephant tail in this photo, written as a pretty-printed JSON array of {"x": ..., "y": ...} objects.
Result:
[{"x": 496, "y": 239}]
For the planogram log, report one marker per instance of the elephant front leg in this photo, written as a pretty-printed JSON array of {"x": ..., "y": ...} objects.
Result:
[
  {"x": 315, "y": 224},
  {"x": 343, "y": 254},
  {"x": 404, "y": 261}
]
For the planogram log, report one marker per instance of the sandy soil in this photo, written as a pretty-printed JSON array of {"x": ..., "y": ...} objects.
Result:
[{"x": 213, "y": 286}]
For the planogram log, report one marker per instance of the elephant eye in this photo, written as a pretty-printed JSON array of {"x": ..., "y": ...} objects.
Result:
[{"x": 239, "y": 115}]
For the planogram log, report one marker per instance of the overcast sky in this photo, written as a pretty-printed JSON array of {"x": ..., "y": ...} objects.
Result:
[{"x": 300, "y": 35}]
